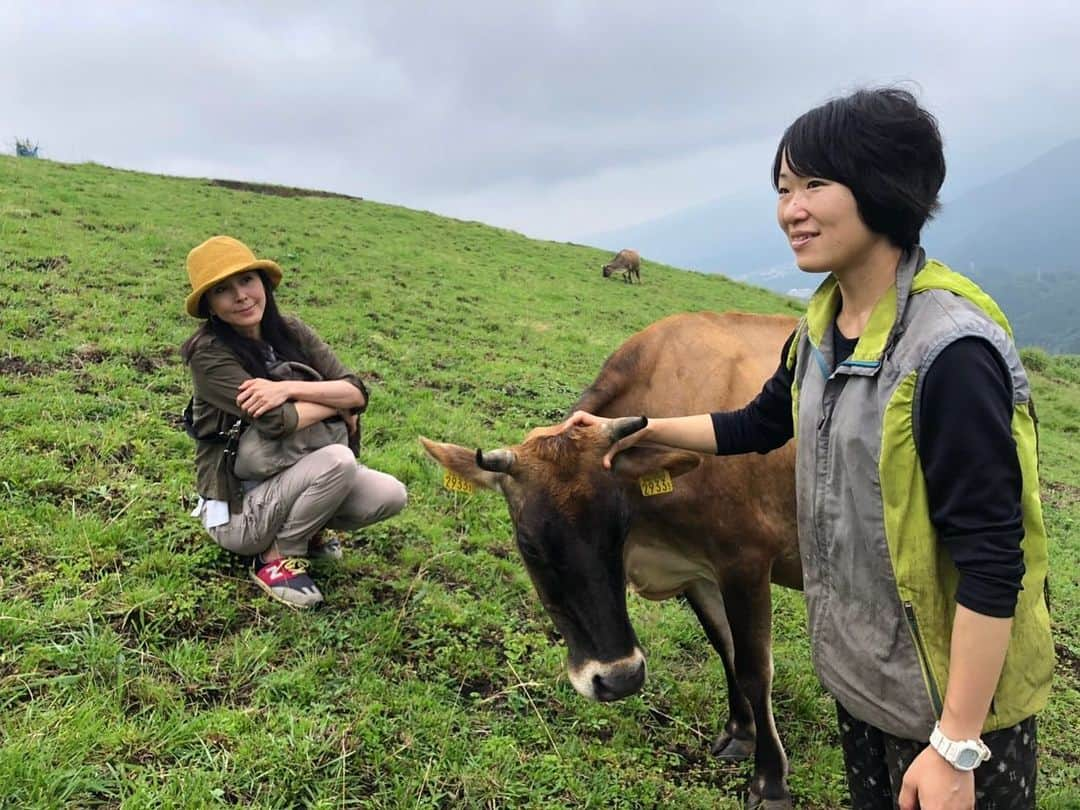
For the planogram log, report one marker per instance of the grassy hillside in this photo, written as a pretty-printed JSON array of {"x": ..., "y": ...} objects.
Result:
[
  {"x": 1041, "y": 306},
  {"x": 140, "y": 668}
]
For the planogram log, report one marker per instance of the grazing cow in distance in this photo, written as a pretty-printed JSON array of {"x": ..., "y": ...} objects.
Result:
[
  {"x": 626, "y": 261},
  {"x": 725, "y": 531}
]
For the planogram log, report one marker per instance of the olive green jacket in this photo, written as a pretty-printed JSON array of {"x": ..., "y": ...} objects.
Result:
[
  {"x": 880, "y": 587},
  {"x": 216, "y": 374}
]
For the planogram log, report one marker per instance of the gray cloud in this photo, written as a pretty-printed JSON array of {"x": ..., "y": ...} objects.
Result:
[{"x": 555, "y": 118}]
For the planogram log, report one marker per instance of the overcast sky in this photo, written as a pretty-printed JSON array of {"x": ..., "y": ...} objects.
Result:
[{"x": 557, "y": 118}]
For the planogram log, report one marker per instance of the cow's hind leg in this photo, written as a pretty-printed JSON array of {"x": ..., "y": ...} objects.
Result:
[{"x": 736, "y": 741}]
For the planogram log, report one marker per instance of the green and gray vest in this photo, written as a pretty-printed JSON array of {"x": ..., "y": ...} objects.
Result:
[{"x": 879, "y": 586}]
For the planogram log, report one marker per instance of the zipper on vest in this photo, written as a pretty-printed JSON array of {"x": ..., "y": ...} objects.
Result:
[
  {"x": 935, "y": 696},
  {"x": 821, "y": 475},
  {"x": 828, "y": 403}
]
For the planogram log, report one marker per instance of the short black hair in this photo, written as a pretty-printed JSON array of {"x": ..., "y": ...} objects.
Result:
[{"x": 883, "y": 146}]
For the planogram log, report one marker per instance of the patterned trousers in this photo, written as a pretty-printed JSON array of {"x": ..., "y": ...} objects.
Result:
[{"x": 876, "y": 763}]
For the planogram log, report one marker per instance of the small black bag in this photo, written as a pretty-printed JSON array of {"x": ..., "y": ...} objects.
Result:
[{"x": 229, "y": 437}]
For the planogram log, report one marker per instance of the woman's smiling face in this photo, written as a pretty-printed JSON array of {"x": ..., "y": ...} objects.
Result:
[
  {"x": 821, "y": 221},
  {"x": 239, "y": 301}
]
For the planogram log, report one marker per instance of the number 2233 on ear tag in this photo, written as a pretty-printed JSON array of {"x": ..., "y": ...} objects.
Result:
[
  {"x": 658, "y": 483},
  {"x": 455, "y": 483}
]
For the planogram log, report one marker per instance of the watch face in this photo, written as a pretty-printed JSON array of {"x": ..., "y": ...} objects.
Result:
[{"x": 967, "y": 759}]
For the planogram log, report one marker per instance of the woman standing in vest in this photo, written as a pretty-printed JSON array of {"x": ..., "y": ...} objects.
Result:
[
  {"x": 920, "y": 527},
  {"x": 278, "y": 521}
]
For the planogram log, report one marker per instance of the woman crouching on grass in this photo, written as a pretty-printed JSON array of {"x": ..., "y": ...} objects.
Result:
[{"x": 236, "y": 357}]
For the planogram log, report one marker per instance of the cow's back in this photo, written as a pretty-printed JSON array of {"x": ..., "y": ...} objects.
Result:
[
  {"x": 625, "y": 259},
  {"x": 731, "y": 506},
  {"x": 690, "y": 363}
]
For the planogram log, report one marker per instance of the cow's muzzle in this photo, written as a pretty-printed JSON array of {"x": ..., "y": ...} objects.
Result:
[{"x": 609, "y": 680}]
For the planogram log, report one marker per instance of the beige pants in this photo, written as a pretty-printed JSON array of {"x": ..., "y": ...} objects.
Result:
[{"x": 325, "y": 489}]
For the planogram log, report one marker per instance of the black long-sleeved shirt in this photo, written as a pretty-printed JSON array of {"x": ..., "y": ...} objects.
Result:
[{"x": 968, "y": 456}]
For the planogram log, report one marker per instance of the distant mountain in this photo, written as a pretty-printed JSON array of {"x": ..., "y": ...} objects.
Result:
[
  {"x": 1023, "y": 222},
  {"x": 1041, "y": 307},
  {"x": 1018, "y": 236}
]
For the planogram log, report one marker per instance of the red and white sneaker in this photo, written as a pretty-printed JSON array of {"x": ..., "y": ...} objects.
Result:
[{"x": 286, "y": 580}]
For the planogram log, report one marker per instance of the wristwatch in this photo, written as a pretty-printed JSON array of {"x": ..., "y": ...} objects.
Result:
[{"x": 964, "y": 755}]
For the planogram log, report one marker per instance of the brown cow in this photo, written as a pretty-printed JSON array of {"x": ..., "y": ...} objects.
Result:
[
  {"x": 626, "y": 261},
  {"x": 718, "y": 538}
]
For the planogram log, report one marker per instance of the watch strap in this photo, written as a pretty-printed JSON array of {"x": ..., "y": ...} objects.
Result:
[{"x": 951, "y": 750}]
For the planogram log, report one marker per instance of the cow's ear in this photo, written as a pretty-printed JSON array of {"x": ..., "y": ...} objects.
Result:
[
  {"x": 643, "y": 459},
  {"x": 461, "y": 461}
]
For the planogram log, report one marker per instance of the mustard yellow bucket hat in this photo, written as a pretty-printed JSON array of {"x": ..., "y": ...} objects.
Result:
[{"x": 218, "y": 258}]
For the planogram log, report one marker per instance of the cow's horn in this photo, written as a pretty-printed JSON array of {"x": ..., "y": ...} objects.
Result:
[
  {"x": 497, "y": 461},
  {"x": 624, "y": 426}
]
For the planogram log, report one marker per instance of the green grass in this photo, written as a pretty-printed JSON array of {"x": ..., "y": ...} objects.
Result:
[{"x": 140, "y": 668}]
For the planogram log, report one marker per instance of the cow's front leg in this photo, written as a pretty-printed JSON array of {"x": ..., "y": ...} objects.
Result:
[
  {"x": 749, "y": 613},
  {"x": 736, "y": 741}
]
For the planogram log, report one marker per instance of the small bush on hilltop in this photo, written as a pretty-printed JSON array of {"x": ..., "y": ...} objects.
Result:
[{"x": 24, "y": 147}]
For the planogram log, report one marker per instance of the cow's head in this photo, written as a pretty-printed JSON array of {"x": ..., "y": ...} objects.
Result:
[
  {"x": 608, "y": 270},
  {"x": 571, "y": 518}
]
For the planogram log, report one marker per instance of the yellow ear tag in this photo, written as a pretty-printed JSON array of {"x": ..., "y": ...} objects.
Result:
[
  {"x": 657, "y": 483},
  {"x": 455, "y": 483}
]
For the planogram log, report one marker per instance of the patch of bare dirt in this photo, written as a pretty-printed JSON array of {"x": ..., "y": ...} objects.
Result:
[
  {"x": 148, "y": 363},
  {"x": 1068, "y": 660},
  {"x": 279, "y": 191},
  {"x": 88, "y": 355},
  {"x": 479, "y": 686},
  {"x": 44, "y": 264},
  {"x": 21, "y": 367},
  {"x": 1060, "y": 495}
]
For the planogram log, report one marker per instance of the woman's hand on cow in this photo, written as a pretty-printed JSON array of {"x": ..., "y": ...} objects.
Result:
[
  {"x": 587, "y": 419},
  {"x": 583, "y": 418},
  {"x": 259, "y": 395}
]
